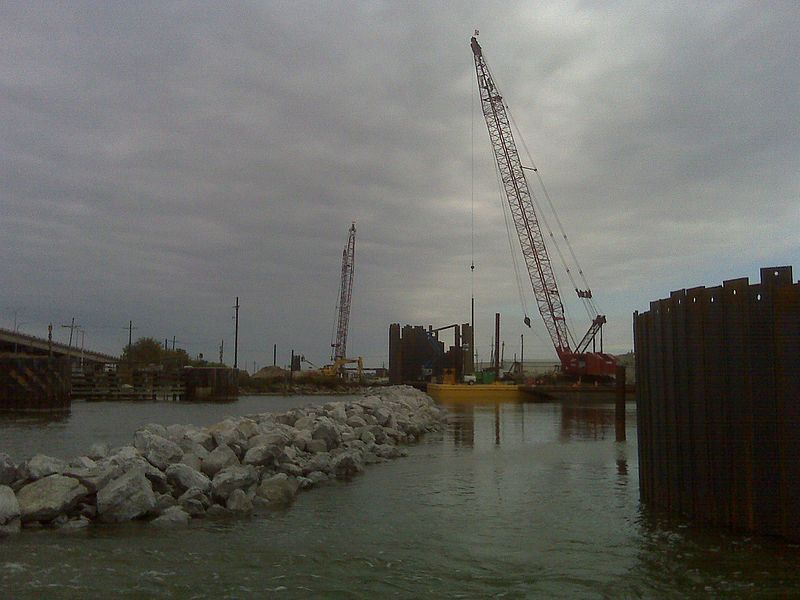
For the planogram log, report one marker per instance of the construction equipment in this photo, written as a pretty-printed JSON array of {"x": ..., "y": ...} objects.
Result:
[
  {"x": 575, "y": 362},
  {"x": 337, "y": 369},
  {"x": 339, "y": 344}
]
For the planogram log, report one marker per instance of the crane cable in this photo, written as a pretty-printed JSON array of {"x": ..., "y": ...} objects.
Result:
[
  {"x": 472, "y": 204},
  {"x": 333, "y": 328},
  {"x": 543, "y": 218},
  {"x": 540, "y": 212},
  {"x": 587, "y": 301},
  {"x": 504, "y": 207}
]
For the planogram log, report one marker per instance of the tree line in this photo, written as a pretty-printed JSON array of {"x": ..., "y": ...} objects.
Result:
[{"x": 149, "y": 351}]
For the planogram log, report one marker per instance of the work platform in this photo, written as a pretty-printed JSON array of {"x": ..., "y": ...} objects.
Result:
[{"x": 453, "y": 393}]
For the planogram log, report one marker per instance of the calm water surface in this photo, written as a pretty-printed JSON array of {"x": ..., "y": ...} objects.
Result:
[{"x": 511, "y": 501}]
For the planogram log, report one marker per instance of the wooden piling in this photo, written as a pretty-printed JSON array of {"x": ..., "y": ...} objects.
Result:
[{"x": 620, "y": 404}]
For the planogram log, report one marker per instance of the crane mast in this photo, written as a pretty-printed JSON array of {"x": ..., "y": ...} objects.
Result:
[
  {"x": 531, "y": 239},
  {"x": 345, "y": 295}
]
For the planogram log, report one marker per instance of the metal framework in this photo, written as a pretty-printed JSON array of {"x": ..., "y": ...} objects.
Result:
[
  {"x": 520, "y": 202},
  {"x": 345, "y": 295}
]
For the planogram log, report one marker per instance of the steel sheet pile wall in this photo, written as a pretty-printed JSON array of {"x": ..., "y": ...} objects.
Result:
[
  {"x": 210, "y": 383},
  {"x": 718, "y": 398}
]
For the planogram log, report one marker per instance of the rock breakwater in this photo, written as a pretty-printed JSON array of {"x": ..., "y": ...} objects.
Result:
[{"x": 171, "y": 475}]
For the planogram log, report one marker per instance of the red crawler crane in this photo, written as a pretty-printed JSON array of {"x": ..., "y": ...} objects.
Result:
[
  {"x": 339, "y": 346},
  {"x": 577, "y": 362}
]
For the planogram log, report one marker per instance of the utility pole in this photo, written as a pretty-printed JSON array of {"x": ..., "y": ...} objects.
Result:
[
  {"x": 71, "y": 328},
  {"x": 130, "y": 333},
  {"x": 274, "y": 355},
  {"x": 236, "y": 337},
  {"x": 83, "y": 337},
  {"x": 221, "y": 348},
  {"x": 165, "y": 343},
  {"x": 497, "y": 345},
  {"x": 173, "y": 343},
  {"x": 50, "y": 340}
]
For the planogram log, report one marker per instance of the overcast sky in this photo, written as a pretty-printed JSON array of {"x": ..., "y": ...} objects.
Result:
[{"x": 159, "y": 159}]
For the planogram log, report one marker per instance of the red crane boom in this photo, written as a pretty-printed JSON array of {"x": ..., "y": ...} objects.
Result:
[
  {"x": 526, "y": 223},
  {"x": 345, "y": 295}
]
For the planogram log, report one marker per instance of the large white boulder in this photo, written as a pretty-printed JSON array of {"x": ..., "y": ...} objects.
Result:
[
  {"x": 174, "y": 516},
  {"x": 232, "y": 478},
  {"x": 356, "y": 421},
  {"x": 247, "y": 427},
  {"x": 278, "y": 489},
  {"x": 176, "y": 432},
  {"x": 226, "y": 433},
  {"x": 159, "y": 451},
  {"x": 326, "y": 431},
  {"x": 336, "y": 411},
  {"x": 347, "y": 464},
  {"x": 126, "y": 498},
  {"x": 99, "y": 450},
  {"x": 200, "y": 436},
  {"x": 261, "y": 455},
  {"x": 42, "y": 465},
  {"x": 8, "y": 470},
  {"x": 218, "y": 459},
  {"x": 193, "y": 461},
  {"x": 271, "y": 438},
  {"x": 239, "y": 502},
  {"x": 301, "y": 439},
  {"x": 318, "y": 462},
  {"x": 94, "y": 478},
  {"x": 182, "y": 477},
  {"x": 46, "y": 498},
  {"x": 304, "y": 423},
  {"x": 9, "y": 511}
]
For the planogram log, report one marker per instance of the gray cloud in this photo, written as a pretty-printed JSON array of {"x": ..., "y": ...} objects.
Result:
[{"x": 160, "y": 159}]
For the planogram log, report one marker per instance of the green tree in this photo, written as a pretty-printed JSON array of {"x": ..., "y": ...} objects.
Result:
[
  {"x": 143, "y": 351},
  {"x": 149, "y": 351}
]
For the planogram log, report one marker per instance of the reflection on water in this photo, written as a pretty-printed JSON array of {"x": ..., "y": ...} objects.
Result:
[
  {"x": 34, "y": 420},
  {"x": 577, "y": 420},
  {"x": 462, "y": 425},
  {"x": 71, "y": 433},
  {"x": 511, "y": 500}
]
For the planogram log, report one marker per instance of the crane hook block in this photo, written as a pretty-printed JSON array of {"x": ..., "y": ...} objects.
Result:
[{"x": 527, "y": 321}]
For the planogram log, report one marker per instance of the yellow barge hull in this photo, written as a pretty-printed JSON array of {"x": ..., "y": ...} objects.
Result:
[{"x": 454, "y": 393}]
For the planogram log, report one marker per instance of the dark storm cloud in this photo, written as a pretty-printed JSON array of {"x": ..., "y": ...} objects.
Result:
[{"x": 160, "y": 159}]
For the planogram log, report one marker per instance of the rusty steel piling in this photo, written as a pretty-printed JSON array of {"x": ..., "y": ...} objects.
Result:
[{"x": 718, "y": 403}]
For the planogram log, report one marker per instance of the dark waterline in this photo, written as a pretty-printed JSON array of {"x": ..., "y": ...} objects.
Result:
[{"x": 513, "y": 501}]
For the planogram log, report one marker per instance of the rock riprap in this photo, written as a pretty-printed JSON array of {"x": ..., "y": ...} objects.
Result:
[{"x": 242, "y": 465}]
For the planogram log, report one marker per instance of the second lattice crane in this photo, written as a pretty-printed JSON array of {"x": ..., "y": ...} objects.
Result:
[{"x": 339, "y": 343}]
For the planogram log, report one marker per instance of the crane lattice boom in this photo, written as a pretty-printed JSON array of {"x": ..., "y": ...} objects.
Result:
[
  {"x": 531, "y": 239},
  {"x": 345, "y": 295},
  {"x": 540, "y": 269}
]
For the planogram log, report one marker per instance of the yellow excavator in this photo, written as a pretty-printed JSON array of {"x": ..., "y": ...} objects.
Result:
[{"x": 337, "y": 368}]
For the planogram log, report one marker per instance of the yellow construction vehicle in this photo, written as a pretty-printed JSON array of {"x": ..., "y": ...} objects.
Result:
[{"x": 337, "y": 368}]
